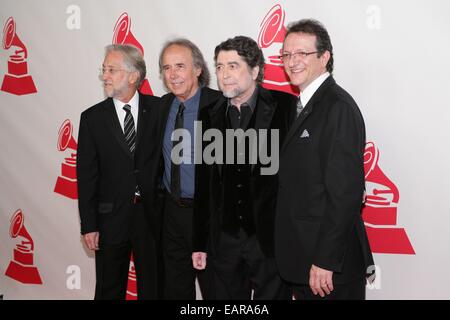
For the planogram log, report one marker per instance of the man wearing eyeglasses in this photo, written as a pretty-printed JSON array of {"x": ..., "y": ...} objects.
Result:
[
  {"x": 112, "y": 152},
  {"x": 321, "y": 245}
]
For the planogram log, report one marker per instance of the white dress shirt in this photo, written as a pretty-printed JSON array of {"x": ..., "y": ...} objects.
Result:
[
  {"x": 309, "y": 91},
  {"x": 134, "y": 103}
]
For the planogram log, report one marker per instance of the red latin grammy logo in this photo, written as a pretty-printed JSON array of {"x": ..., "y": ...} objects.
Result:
[
  {"x": 123, "y": 35},
  {"x": 270, "y": 40},
  {"x": 66, "y": 184},
  {"x": 21, "y": 268},
  {"x": 17, "y": 81},
  {"x": 132, "y": 287},
  {"x": 380, "y": 211}
]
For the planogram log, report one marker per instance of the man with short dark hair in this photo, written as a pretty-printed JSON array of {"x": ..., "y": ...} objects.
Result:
[
  {"x": 112, "y": 150},
  {"x": 235, "y": 204},
  {"x": 321, "y": 245}
]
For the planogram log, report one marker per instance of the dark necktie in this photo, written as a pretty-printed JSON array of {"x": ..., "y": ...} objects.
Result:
[
  {"x": 175, "y": 181},
  {"x": 128, "y": 128},
  {"x": 299, "y": 106}
]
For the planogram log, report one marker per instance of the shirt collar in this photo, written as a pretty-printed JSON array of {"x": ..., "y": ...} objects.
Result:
[
  {"x": 250, "y": 102},
  {"x": 134, "y": 102},
  {"x": 309, "y": 91},
  {"x": 192, "y": 102}
]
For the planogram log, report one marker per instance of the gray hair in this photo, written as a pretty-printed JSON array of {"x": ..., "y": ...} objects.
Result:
[
  {"x": 132, "y": 56},
  {"x": 197, "y": 58}
]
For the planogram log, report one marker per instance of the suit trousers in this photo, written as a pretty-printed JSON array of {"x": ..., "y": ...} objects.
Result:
[
  {"x": 240, "y": 266},
  {"x": 180, "y": 275},
  {"x": 112, "y": 262}
]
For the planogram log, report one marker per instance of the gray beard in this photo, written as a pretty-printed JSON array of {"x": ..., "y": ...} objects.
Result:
[{"x": 232, "y": 94}]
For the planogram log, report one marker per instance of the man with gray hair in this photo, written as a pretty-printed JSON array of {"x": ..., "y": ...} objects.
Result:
[
  {"x": 186, "y": 76},
  {"x": 112, "y": 150}
]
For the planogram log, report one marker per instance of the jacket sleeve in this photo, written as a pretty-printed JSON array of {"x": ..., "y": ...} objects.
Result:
[
  {"x": 202, "y": 202},
  {"x": 342, "y": 148},
  {"x": 87, "y": 176}
]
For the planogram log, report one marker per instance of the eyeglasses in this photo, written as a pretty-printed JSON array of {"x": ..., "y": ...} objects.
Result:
[
  {"x": 112, "y": 71},
  {"x": 297, "y": 54}
]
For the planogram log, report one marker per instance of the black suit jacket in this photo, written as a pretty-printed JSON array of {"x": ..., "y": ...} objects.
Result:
[
  {"x": 274, "y": 110},
  {"x": 208, "y": 98},
  {"x": 107, "y": 172},
  {"x": 321, "y": 189}
]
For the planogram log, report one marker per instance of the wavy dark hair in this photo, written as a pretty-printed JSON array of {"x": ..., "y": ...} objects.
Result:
[{"x": 248, "y": 49}]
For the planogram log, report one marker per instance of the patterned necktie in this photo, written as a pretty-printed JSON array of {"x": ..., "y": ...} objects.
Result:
[
  {"x": 128, "y": 128},
  {"x": 299, "y": 106},
  {"x": 175, "y": 181}
]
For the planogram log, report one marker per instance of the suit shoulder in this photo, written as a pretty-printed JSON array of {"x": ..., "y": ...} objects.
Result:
[
  {"x": 339, "y": 94},
  {"x": 95, "y": 109},
  {"x": 166, "y": 98},
  {"x": 148, "y": 99},
  {"x": 210, "y": 96},
  {"x": 212, "y": 92},
  {"x": 149, "y": 102},
  {"x": 280, "y": 96},
  {"x": 341, "y": 102}
]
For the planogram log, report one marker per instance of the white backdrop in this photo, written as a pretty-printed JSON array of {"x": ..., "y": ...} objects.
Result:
[{"x": 392, "y": 56}]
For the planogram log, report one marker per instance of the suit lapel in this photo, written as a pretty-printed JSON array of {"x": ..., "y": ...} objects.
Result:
[
  {"x": 205, "y": 99},
  {"x": 217, "y": 115},
  {"x": 142, "y": 120},
  {"x": 114, "y": 126},
  {"x": 265, "y": 109},
  {"x": 309, "y": 108},
  {"x": 166, "y": 103}
]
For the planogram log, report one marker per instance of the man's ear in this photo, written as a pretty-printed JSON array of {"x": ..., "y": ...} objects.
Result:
[
  {"x": 255, "y": 72},
  {"x": 134, "y": 77},
  {"x": 324, "y": 58}
]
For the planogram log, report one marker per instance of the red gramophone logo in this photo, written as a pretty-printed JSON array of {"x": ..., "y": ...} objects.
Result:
[
  {"x": 270, "y": 40},
  {"x": 380, "y": 211},
  {"x": 17, "y": 81},
  {"x": 123, "y": 35},
  {"x": 21, "y": 267},
  {"x": 66, "y": 184},
  {"x": 132, "y": 288}
]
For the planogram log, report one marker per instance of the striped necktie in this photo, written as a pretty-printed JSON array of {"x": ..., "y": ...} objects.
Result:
[
  {"x": 128, "y": 128},
  {"x": 299, "y": 106}
]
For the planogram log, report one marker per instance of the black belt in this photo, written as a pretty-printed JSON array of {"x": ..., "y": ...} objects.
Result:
[
  {"x": 184, "y": 202},
  {"x": 181, "y": 202}
]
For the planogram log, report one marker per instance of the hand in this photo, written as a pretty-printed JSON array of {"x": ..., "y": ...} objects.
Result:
[
  {"x": 91, "y": 240},
  {"x": 320, "y": 281},
  {"x": 199, "y": 260}
]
